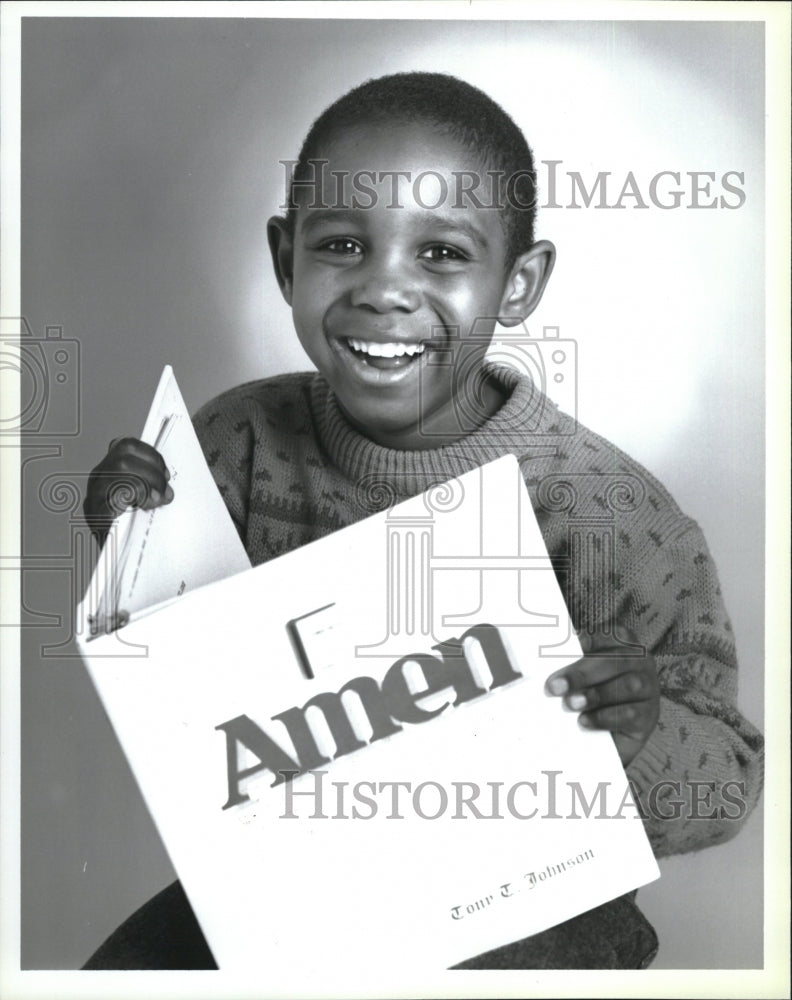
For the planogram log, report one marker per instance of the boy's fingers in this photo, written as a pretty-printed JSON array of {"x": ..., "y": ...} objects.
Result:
[
  {"x": 157, "y": 495},
  {"x": 125, "y": 448},
  {"x": 589, "y": 671},
  {"x": 132, "y": 483},
  {"x": 157, "y": 498},
  {"x": 635, "y": 717},
  {"x": 148, "y": 465},
  {"x": 131, "y": 475},
  {"x": 632, "y": 686},
  {"x": 125, "y": 490}
]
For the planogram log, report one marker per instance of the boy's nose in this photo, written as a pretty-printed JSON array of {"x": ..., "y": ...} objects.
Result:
[{"x": 386, "y": 286}]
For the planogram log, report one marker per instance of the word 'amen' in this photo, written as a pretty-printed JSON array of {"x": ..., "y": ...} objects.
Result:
[{"x": 385, "y": 707}]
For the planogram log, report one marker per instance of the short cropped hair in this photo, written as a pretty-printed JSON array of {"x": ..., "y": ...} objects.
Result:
[{"x": 454, "y": 107}]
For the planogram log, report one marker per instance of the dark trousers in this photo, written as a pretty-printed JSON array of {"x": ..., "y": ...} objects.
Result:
[{"x": 164, "y": 934}]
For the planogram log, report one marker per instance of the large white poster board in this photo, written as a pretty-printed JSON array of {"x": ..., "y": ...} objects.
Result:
[{"x": 349, "y": 753}]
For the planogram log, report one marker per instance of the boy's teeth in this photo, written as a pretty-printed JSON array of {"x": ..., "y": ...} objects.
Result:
[{"x": 392, "y": 350}]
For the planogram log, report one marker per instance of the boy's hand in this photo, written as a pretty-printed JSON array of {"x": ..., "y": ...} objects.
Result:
[
  {"x": 612, "y": 691},
  {"x": 132, "y": 474}
]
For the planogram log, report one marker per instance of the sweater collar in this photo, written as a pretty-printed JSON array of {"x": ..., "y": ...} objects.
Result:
[{"x": 385, "y": 475}]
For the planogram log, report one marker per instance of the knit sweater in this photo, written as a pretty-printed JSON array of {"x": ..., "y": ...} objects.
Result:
[{"x": 292, "y": 469}]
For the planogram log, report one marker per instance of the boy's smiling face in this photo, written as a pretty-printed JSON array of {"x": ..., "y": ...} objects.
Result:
[{"x": 396, "y": 305}]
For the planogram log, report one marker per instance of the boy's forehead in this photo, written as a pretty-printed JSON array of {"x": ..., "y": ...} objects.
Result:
[
  {"x": 396, "y": 147},
  {"x": 362, "y": 173}
]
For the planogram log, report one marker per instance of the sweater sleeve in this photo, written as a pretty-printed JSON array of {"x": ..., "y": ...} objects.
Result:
[
  {"x": 700, "y": 773},
  {"x": 225, "y": 431}
]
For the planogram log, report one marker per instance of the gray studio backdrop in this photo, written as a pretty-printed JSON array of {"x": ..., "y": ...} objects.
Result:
[{"x": 150, "y": 163}]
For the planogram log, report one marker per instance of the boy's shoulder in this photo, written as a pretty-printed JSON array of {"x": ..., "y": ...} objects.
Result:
[
  {"x": 571, "y": 466},
  {"x": 587, "y": 472},
  {"x": 274, "y": 402}
]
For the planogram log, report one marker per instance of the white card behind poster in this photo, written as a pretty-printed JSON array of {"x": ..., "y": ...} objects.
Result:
[{"x": 191, "y": 541}]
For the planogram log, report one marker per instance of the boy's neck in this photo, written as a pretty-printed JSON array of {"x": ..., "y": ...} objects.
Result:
[{"x": 470, "y": 409}]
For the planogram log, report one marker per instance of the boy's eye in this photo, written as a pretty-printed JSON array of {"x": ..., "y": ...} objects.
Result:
[
  {"x": 342, "y": 245},
  {"x": 441, "y": 251}
]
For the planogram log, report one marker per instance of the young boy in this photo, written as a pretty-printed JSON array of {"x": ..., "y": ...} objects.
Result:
[{"x": 409, "y": 235}]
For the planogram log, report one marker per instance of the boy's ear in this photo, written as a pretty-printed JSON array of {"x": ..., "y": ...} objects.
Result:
[
  {"x": 281, "y": 244},
  {"x": 527, "y": 280}
]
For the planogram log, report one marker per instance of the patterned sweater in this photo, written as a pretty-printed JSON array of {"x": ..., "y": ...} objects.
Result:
[{"x": 291, "y": 469}]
